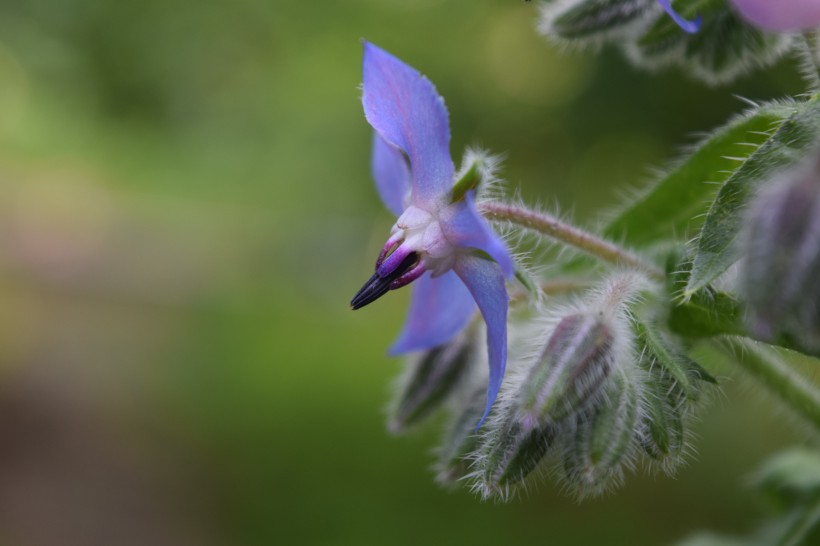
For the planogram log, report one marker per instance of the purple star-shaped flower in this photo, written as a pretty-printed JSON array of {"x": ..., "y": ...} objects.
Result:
[{"x": 440, "y": 241}]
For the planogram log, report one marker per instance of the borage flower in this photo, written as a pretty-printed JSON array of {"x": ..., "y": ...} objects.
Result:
[{"x": 439, "y": 240}]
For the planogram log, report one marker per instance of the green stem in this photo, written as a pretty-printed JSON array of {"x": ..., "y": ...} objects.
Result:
[
  {"x": 762, "y": 362},
  {"x": 551, "y": 226}
]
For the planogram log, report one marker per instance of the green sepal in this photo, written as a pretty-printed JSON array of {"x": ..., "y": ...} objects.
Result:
[
  {"x": 461, "y": 439},
  {"x": 470, "y": 180},
  {"x": 603, "y": 439},
  {"x": 570, "y": 372},
  {"x": 511, "y": 452},
  {"x": 664, "y": 432},
  {"x": 527, "y": 282},
  {"x": 656, "y": 349}
]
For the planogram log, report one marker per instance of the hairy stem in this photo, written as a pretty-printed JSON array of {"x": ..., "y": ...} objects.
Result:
[
  {"x": 808, "y": 51},
  {"x": 568, "y": 234},
  {"x": 782, "y": 380}
]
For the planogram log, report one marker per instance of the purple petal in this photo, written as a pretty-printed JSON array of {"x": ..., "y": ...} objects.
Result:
[
  {"x": 439, "y": 309},
  {"x": 486, "y": 283},
  {"x": 782, "y": 15},
  {"x": 465, "y": 227},
  {"x": 688, "y": 26},
  {"x": 391, "y": 173},
  {"x": 405, "y": 109}
]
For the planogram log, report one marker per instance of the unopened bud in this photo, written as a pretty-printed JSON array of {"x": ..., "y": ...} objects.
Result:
[
  {"x": 604, "y": 438},
  {"x": 508, "y": 454},
  {"x": 461, "y": 439},
  {"x": 429, "y": 380},
  {"x": 570, "y": 371},
  {"x": 781, "y": 279}
]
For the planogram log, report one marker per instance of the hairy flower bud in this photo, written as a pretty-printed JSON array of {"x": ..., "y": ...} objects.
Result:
[
  {"x": 603, "y": 441},
  {"x": 508, "y": 454},
  {"x": 570, "y": 371},
  {"x": 781, "y": 278},
  {"x": 429, "y": 379},
  {"x": 460, "y": 440}
]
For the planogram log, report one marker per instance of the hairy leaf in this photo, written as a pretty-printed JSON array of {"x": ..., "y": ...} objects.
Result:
[
  {"x": 672, "y": 205},
  {"x": 716, "y": 249}
]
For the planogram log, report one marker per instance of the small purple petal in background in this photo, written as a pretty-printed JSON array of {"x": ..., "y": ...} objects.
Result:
[
  {"x": 688, "y": 26},
  {"x": 391, "y": 174},
  {"x": 466, "y": 228},
  {"x": 486, "y": 283},
  {"x": 439, "y": 309},
  {"x": 780, "y": 15},
  {"x": 405, "y": 109}
]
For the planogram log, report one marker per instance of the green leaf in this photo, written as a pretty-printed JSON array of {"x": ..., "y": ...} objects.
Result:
[
  {"x": 460, "y": 439},
  {"x": 716, "y": 249},
  {"x": 593, "y": 19},
  {"x": 707, "y": 313},
  {"x": 671, "y": 207},
  {"x": 790, "y": 477}
]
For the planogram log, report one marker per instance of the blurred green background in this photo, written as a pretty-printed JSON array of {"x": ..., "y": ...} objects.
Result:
[{"x": 185, "y": 211}]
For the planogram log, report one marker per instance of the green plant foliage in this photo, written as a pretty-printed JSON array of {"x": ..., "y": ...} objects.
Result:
[
  {"x": 716, "y": 249},
  {"x": 594, "y": 18},
  {"x": 672, "y": 206}
]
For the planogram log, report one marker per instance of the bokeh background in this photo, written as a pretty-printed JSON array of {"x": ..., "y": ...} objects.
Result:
[{"x": 185, "y": 211}]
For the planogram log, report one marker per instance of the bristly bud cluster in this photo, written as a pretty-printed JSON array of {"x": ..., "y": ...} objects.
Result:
[
  {"x": 604, "y": 387},
  {"x": 781, "y": 274},
  {"x": 712, "y": 40},
  {"x": 563, "y": 397}
]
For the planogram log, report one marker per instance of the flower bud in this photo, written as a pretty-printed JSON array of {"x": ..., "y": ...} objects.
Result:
[
  {"x": 508, "y": 454},
  {"x": 781, "y": 277},
  {"x": 570, "y": 371},
  {"x": 428, "y": 381},
  {"x": 603, "y": 441},
  {"x": 460, "y": 440}
]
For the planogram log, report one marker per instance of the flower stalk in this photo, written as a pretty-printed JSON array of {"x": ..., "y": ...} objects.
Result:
[
  {"x": 551, "y": 226},
  {"x": 781, "y": 379}
]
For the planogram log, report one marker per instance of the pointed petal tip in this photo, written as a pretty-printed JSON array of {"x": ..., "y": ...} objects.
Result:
[
  {"x": 483, "y": 417},
  {"x": 690, "y": 27}
]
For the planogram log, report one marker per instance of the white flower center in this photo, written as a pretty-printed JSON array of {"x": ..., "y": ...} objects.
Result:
[{"x": 423, "y": 234}]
